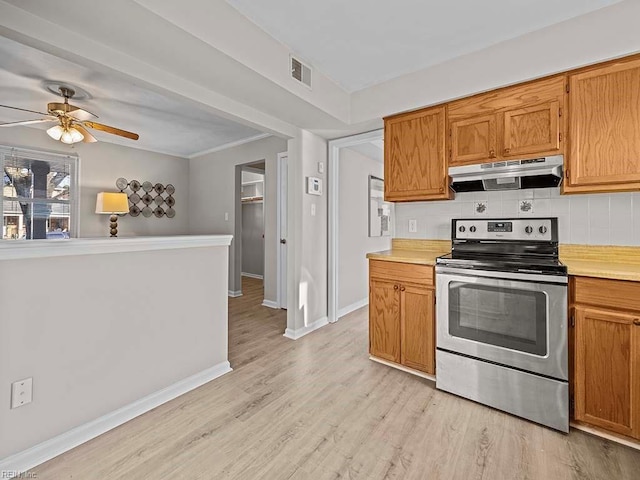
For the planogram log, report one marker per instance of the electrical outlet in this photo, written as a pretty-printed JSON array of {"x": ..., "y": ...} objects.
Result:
[
  {"x": 413, "y": 226},
  {"x": 226, "y": 216},
  {"x": 21, "y": 392}
]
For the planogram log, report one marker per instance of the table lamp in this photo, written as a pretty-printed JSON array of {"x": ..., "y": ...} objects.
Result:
[{"x": 112, "y": 203}]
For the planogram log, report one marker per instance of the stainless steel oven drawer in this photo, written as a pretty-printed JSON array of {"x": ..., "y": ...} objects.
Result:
[{"x": 539, "y": 399}]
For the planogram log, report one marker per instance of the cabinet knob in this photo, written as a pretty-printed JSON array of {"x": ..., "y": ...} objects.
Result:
[
  {"x": 636, "y": 322},
  {"x": 395, "y": 287},
  {"x": 507, "y": 151},
  {"x": 492, "y": 153},
  {"x": 441, "y": 190},
  {"x": 402, "y": 289}
]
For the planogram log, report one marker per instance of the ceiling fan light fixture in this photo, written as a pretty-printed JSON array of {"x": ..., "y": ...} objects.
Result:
[
  {"x": 55, "y": 132},
  {"x": 71, "y": 135}
]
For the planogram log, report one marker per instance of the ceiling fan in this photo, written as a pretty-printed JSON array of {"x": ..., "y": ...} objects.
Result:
[{"x": 73, "y": 121}]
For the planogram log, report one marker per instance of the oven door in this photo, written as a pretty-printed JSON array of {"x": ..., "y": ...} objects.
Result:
[{"x": 516, "y": 320}]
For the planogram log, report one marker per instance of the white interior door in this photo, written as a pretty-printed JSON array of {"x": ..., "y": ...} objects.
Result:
[{"x": 282, "y": 229}]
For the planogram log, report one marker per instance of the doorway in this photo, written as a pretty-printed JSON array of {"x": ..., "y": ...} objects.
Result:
[
  {"x": 252, "y": 225},
  {"x": 355, "y": 208}
]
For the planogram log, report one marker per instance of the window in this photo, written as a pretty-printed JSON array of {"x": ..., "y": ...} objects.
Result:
[{"x": 39, "y": 194}]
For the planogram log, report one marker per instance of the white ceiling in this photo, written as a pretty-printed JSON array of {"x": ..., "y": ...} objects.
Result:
[
  {"x": 164, "y": 124},
  {"x": 359, "y": 43}
]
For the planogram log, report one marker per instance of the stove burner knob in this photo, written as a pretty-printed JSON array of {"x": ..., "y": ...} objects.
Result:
[
  {"x": 472, "y": 229},
  {"x": 528, "y": 229},
  {"x": 542, "y": 229},
  {"x": 461, "y": 228}
]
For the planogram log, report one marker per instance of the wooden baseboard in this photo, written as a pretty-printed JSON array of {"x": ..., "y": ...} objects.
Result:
[
  {"x": 403, "y": 368},
  {"x": 599, "y": 432}
]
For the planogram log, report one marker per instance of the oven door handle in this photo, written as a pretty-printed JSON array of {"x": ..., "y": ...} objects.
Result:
[{"x": 524, "y": 277}]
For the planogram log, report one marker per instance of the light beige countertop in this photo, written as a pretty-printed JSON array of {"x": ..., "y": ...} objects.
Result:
[
  {"x": 421, "y": 252},
  {"x": 616, "y": 263},
  {"x": 612, "y": 262}
]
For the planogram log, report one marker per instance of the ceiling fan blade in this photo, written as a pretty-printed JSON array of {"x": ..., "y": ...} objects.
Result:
[
  {"x": 88, "y": 138},
  {"x": 81, "y": 114},
  {"x": 112, "y": 130},
  {"x": 25, "y": 110},
  {"x": 28, "y": 122}
]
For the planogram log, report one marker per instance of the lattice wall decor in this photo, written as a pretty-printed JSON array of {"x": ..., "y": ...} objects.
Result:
[{"x": 148, "y": 199}]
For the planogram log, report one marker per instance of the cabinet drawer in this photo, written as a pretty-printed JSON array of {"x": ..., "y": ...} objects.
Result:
[
  {"x": 401, "y": 272},
  {"x": 603, "y": 293}
]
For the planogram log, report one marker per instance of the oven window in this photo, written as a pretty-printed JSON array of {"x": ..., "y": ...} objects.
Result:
[{"x": 504, "y": 317}]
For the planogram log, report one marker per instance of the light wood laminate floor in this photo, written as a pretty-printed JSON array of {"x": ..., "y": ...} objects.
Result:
[{"x": 317, "y": 408}]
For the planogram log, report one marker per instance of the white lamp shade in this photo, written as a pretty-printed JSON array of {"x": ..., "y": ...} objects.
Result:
[
  {"x": 70, "y": 136},
  {"x": 55, "y": 132},
  {"x": 111, "y": 202}
]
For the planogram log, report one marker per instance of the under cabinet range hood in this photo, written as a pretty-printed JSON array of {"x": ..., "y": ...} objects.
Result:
[{"x": 508, "y": 175}]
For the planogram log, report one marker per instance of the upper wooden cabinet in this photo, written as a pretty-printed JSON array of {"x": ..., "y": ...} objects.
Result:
[
  {"x": 604, "y": 128},
  {"x": 524, "y": 121},
  {"x": 473, "y": 140},
  {"x": 531, "y": 130},
  {"x": 415, "y": 164}
]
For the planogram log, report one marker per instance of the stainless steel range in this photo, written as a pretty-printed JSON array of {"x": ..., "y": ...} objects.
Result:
[{"x": 501, "y": 306}]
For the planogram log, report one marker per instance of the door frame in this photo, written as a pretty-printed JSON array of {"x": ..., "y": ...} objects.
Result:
[
  {"x": 333, "y": 187},
  {"x": 281, "y": 158}
]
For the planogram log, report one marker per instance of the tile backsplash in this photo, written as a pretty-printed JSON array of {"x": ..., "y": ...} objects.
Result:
[{"x": 595, "y": 219}]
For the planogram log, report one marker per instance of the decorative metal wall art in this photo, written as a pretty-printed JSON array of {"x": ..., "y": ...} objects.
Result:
[{"x": 148, "y": 199}]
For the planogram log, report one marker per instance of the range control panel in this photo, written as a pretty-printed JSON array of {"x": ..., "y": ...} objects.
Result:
[{"x": 536, "y": 229}]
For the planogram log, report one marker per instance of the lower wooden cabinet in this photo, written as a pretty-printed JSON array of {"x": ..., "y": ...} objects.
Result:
[
  {"x": 402, "y": 314},
  {"x": 606, "y": 356},
  {"x": 384, "y": 320},
  {"x": 417, "y": 342}
]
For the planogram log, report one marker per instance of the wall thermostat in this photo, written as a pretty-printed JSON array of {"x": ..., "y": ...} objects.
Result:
[{"x": 314, "y": 186}]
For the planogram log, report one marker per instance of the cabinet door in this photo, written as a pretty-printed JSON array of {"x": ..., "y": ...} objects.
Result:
[
  {"x": 604, "y": 121},
  {"x": 473, "y": 140},
  {"x": 415, "y": 165},
  {"x": 417, "y": 327},
  {"x": 384, "y": 320},
  {"x": 607, "y": 362},
  {"x": 533, "y": 129}
]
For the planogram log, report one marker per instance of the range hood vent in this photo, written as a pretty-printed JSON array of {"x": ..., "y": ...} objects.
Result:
[{"x": 508, "y": 175}]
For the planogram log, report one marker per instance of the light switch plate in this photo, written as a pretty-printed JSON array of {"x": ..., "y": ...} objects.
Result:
[
  {"x": 320, "y": 167},
  {"x": 21, "y": 392},
  {"x": 313, "y": 209}
]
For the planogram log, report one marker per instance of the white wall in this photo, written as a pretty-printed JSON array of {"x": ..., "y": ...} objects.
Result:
[
  {"x": 307, "y": 263},
  {"x": 601, "y": 35},
  {"x": 595, "y": 219},
  {"x": 97, "y": 332},
  {"x": 353, "y": 227},
  {"x": 101, "y": 164},
  {"x": 212, "y": 194}
]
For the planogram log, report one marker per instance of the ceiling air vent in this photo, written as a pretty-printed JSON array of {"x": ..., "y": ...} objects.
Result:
[{"x": 301, "y": 72}]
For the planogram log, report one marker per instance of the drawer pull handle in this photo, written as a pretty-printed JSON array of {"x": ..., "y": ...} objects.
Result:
[{"x": 636, "y": 322}]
